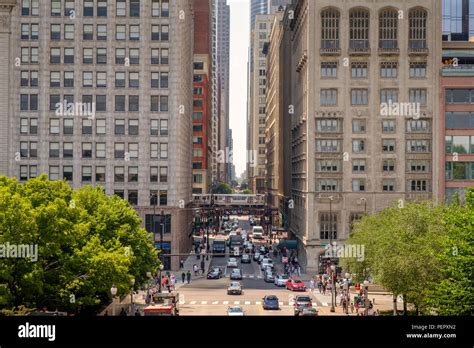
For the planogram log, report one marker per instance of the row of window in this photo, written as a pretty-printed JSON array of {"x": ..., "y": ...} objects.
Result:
[
  {"x": 159, "y": 56},
  {"x": 360, "y": 126},
  {"x": 360, "y": 185},
  {"x": 359, "y": 146},
  {"x": 158, "y": 103},
  {"x": 360, "y": 96},
  {"x": 359, "y": 28},
  {"x": 156, "y": 127},
  {"x": 360, "y": 166},
  {"x": 158, "y": 79},
  {"x": 461, "y": 144},
  {"x": 99, "y": 8},
  {"x": 158, "y": 32},
  {"x": 157, "y": 150},
  {"x": 459, "y": 96},
  {"x": 361, "y": 69},
  {"x": 460, "y": 120}
]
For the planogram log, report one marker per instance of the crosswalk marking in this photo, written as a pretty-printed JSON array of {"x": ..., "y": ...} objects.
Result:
[
  {"x": 251, "y": 276},
  {"x": 225, "y": 302},
  {"x": 258, "y": 303},
  {"x": 182, "y": 302},
  {"x": 215, "y": 302},
  {"x": 203, "y": 302},
  {"x": 324, "y": 304},
  {"x": 282, "y": 303},
  {"x": 236, "y": 302},
  {"x": 192, "y": 302}
]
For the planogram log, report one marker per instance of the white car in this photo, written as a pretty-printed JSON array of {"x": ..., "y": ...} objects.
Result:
[
  {"x": 232, "y": 262},
  {"x": 266, "y": 263},
  {"x": 235, "y": 311},
  {"x": 281, "y": 279}
]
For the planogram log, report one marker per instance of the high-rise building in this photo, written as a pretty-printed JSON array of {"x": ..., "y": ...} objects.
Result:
[
  {"x": 456, "y": 131},
  {"x": 202, "y": 104},
  {"x": 100, "y": 93},
  {"x": 364, "y": 109}
]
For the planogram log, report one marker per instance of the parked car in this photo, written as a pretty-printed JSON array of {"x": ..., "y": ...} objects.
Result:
[
  {"x": 306, "y": 312},
  {"x": 256, "y": 256},
  {"x": 214, "y": 273},
  {"x": 236, "y": 274},
  {"x": 271, "y": 302},
  {"x": 269, "y": 277},
  {"x": 295, "y": 284},
  {"x": 235, "y": 311},
  {"x": 246, "y": 259},
  {"x": 234, "y": 288},
  {"x": 232, "y": 262},
  {"x": 281, "y": 280}
]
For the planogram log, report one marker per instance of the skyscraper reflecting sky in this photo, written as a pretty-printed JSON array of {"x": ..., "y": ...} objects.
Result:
[{"x": 458, "y": 20}]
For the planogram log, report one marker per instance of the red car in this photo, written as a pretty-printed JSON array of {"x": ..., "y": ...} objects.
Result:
[{"x": 295, "y": 284}]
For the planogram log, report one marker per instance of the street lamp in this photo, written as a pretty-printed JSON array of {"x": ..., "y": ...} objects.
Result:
[
  {"x": 161, "y": 269},
  {"x": 113, "y": 291},
  {"x": 366, "y": 288},
  {"x": 331, "y": 198},
  {"x": 132, "y": 283},
  {"x": 333, "y": 287}
]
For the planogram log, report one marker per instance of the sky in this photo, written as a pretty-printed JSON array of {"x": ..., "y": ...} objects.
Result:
[{"x": 239, "y": 46}]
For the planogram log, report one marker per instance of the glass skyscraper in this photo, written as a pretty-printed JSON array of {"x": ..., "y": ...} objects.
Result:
[{"x": 458, "y": 20}]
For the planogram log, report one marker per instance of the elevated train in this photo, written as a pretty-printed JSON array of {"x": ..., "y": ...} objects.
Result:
[{"x": 235, "y": 200}]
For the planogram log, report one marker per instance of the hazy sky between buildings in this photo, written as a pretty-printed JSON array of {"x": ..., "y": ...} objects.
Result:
[{"x": 239, "y": 47}]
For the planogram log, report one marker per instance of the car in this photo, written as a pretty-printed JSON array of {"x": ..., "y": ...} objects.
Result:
[
  {"x": 306, "y": 312},
  {"x": 295, "y": 284},
  {"x": 263, "y": 249},
  {"x": 269, "y": 276},
  {"x": 271, "y": 302},
  {"x": 249, "y": 247},
  {"x": 214, "y": 273},
  {"x": 256, "y": 256},
  {"x": 281, "y": 279},
  {"x": 246, "y": 259},
  {"x": 266, "y": 262},
  {"x": 236, "y": 274},
  {"x": 303, "y": 302},
  {"x": 235, "y": 311},
  {"x": 260, "y": 259},
  {"x": 232, "y": 262},
  {"x": 234, "y": 288}
]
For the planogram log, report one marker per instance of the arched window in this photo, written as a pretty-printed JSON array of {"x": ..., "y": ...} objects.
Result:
[
  {"x": 417, "y": 32},
  {"x": 388, "y": 28},
  {"x": 330, "y": 19},
  {"x": 359, "y": 29}
]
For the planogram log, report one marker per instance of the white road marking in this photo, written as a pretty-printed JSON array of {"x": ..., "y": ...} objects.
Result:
[
  {"x": 225, "y": 302},
  {"x": 259, "y": 277},
  {"x": 324, "y": 304},
  {"x": 247, "y": 302},
  {"x": 203, "y": 302},
  {"x": 182, "y": 302},
  {"x": 192, "y": 302},
  {"x": 251, "y": 276},
  {"x": 215, "y": 302},
  {"x": 282, "y": 303},
  {"x": 258, "y": 303},
  {"x": 236, "y": 302}
]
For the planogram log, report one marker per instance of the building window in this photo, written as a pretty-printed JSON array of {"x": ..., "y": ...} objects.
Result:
[
  {"x": 389, "y": 70},
  {"x": 358, "y": 166},
  {"x": 133, "y": 150},
  {"x": 132, "y": 174},
  {"x": 133, "y": 127},
  {"x": 119, "y": 150},
  {"x": 358, "y": 185},
  {"x": 359, "y": 96},
  {"x": 388, "y": 165},
  {"x": 328, "y": 125},
  {"x": 133, "y": 103},
  {"x": 388, "y": 96},
  {"x": 388, "y": 29},
  {"x": 68, "y": 173},
  {"x": 359, "y": 126},
  {"x": 418, "y": 96},
  {"x": 329, "y": 185},
  {"x": 134, "y": 32},
  {"x": 86, "y": 174},
  {"x": 120, "y": 56},
  {"x": 88, "y": 8},
  {"x": 69, "y": 79},
  {"x": 87, "y": 56},
  {"x": 68, "y": 150},
  {"x": 358, "y": 146},
  {"x": 328, "y": 166},
  {"x": 163, "y": 151},
  {"x": 418, "y": 69},
  {"x": 359, "y": 70},
  {"x": 328, "y": 145},
  {"x": 164, "y": 128},
  {"x": 100, "y": 150},
  {"x": 102, "y": 56},
  {"x": 119, "y": 174},
  {"x": 330, "y": 28},
  {"x": 100, "y": 174},
  {"x": 416, "y": 166},
  {"x": 328, "y": 97},
  {"x": 55, "y": 8},
  {"x": 418, "y": 126},
  {"x": 68, "y": 31},
  {"x": 86, "y": 126},
  {"x": 68, "y": 127},
  {"x": 153, "y": 174},
  {"x": 134, "y": 8},
  {"x": 418, "y": 146},
  {"x": 69, "y": 7},
  {"x": 417, "y": 31},
  {"x": 119, "y": 127},
  {"x": 388, "y": 126},
  {"x": 100, "y": 127},
  {"x": 359, "y": 29},
  {"x": 102, "y": 32},
  {"x": 121, "y": 8},
  {"x": 388, "y": 145},
  {"x": 388, "y": 185},
  {"x": 86, "y": 150},
  {"x": 54, "y": 150},
  {"x": 119, "y": 103},
  {"x": 101, "y": 8},
  {"x": 328, "y": 225},
  {"x": 418, "y": 185},
  {"x": 133, "y": 80},
  {"x": 163, "y": 198}
]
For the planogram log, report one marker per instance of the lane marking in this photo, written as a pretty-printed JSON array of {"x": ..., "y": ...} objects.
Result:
[
  {"x": 215, "y": 302},
  {"x": 225, "y": 302},
  {"x": 203, "y": 302},
  {"x": 258, "y": 303},
  {"x": 192, "y": 302},
  {"x": 247, "y": 302},
  {"x": 236, "y": 302}
]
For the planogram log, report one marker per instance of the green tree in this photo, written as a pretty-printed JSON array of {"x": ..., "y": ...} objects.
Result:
[
  {"x": 86, "y": 242},
  {"x": 223, "y": 189}
]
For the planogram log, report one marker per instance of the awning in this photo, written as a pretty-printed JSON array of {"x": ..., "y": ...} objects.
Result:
[{"x": 289, "y": 244}]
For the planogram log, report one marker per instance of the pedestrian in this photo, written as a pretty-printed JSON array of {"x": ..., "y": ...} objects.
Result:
[
  {"x": 320, "y": 285},
  {"x": 183, "y": 276},
  {"x": 298, "y": 269},
  {"x": 352, "y": 307},
  {"x": 188, "y": 276},
  {"x": 181, "y": 264},
  {"x": 123, "y": 313},
  {"x": 203, "y": 266},
  {"x": 324, "y": 288},
  {"x": 311, "y": 284},
  {"x": 172, "y": 281},
  {"x": 137, "y": 313},
  {"x": 195, "y": 269}
]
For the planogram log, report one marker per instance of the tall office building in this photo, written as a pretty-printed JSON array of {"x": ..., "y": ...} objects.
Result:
[
  {"x": 363, "y": 129},
  {"x": 456, "y": 132},
  {"x": 202, "y": 104},
  {"x": 100, "y": 93}
]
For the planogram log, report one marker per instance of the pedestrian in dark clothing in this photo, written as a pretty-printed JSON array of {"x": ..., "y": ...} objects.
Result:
[
  {"x": 181, "y": 264},
  {"x": 183, "y": 276},
  {"x": 203, "y": 265},
  {"x": 188, "y": 276},
  {"x": 123, "y": 313},
  {"x": 137, "y": 313}
]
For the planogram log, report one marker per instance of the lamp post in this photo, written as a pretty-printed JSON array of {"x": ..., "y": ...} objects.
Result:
[
  {"x": 132, "y": 283},
  {"x": 366, "y": 289},
  {"x": 333, "y": 287},
  {"x": 113, "y": 291},
  {"x": 161, "y": 269},
  {"x": 331, "y": 198}
]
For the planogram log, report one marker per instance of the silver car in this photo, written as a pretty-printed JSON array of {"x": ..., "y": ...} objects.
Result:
[
  {"x": 281, "y": 279},
  {"x": 235, "y": 311},
  {"x": 232, "y": 262},
  {"x": 234, "y": 289}
]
